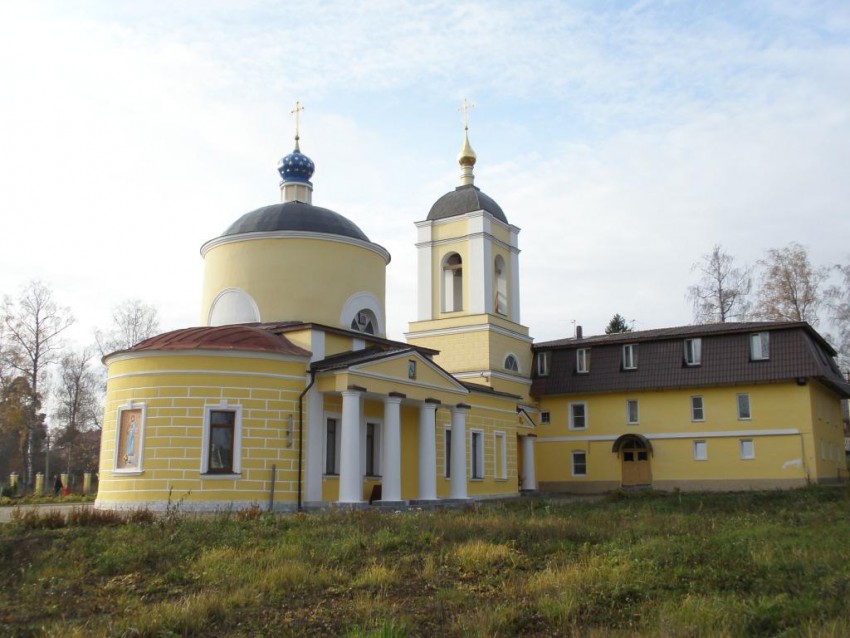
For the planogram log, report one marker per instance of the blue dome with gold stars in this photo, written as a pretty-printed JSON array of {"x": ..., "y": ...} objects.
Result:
[{"x": 296, "y": 167}]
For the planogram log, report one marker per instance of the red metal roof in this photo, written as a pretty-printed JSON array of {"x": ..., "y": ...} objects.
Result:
[{"x": 235, "y": 337}]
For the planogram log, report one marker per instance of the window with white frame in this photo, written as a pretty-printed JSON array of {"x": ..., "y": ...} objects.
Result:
[
  {"x": 578, "y": 416},
  {"x": 476, "y": 449},
  {"x": 332, "y": 439},
  {"x": 500, "y": 451},
  {"x": 630, "y": 352},
  {"x": 760, "y": 346},
  {"x": 222, "y": 440},
  {"x": 447, "y": 452},
  {"x": 372, "y": 465},
  {"x": 543, "y": 364},
  {"x": 748, "y": 450},
  {"x": 583, "y": 360},
  {"x": 632, "y": 416},
  {"x": 545, "y": 417},
  {"x": 697, "y": 409},
  {"x": 693, "y": 352},
  {"x": 511, "y": 363},
  {"x": 579, "y": 464},
  {"x": 700, "y": 451},
  {"x": 743, "y": 407}
]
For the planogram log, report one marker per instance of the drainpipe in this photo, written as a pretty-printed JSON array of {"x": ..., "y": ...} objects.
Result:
[{"x": 301, "y": 431}]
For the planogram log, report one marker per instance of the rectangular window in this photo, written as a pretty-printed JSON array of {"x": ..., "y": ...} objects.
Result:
[
  {"x": 760, "y": 346},
  {"x": 630, "y": 356},
  {"x": 693, "y": 352},
  {"x": 545, "y": 417},
  {"x": 700, "y": 451},
  {"x": 222, "y": 440},
  {"x": 332, "y": 434},
  {"x": 578, "y": 416},
  {"x": 476, "y": 440},
  {"x": 748, "y": 450},
  {"x": 373, "y": 449},
  {"x": 743, "y": 407},
  {"x": 583, "y": 360},
  {"x": 543, "y": 364},
  {"x": 697, "y": 409},
  {"x": 632, "y": 411},
  {"x": 579, "y": 464},
  {"x": 501, "y": 455},
  {"x": 448, "y": 452}
]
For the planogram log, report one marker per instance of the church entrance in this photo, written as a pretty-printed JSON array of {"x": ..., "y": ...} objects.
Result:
[{"x": 634, "y": 451}]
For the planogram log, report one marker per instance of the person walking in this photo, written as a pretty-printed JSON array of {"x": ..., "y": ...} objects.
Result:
[{"x": 57, "y": 485}]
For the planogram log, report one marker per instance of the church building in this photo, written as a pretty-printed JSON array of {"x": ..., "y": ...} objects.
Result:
[{"x": 289, "y": 394}]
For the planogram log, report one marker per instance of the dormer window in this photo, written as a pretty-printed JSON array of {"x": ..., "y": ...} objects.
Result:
[
  {"x": 542, "y": 364},
  {"x": 693, "y": 352},
  {"x": 583, "y": 360},
  {"x": 630, "y": 352},
  {"x": 760, "y": 346}
]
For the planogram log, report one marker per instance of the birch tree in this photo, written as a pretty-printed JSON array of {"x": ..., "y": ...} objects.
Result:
[
  {"x": 722, "y": 292},
  {"x": 790, "y": 286}
]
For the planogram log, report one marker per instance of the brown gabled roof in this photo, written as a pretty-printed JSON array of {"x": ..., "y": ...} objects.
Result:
[
  {"x": 796, "y": 352},
  {"x": 348, "y": 359},
  {"x": 242, "y": 337},
  {"x": 681, "y": 332}
]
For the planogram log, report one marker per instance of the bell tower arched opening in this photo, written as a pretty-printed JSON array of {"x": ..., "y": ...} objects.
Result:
[{"x": 452, "y": 283}]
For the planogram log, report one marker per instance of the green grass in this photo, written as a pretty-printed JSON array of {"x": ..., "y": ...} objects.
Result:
[{"x": 683, "y": 565}]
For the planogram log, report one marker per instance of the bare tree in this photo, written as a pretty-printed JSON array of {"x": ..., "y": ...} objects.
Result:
[
  {"x": 132, "y": 321},
  {"x": 77, "y": 396},
  {"x": 722, "y": 292},
  {"x": 33, "y": 326},
  {"x": 838, "y": 299},
  {"x": 790, "y": 287}
]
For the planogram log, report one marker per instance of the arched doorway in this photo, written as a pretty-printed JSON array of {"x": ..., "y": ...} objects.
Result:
[{"x": 634, "y": 452}]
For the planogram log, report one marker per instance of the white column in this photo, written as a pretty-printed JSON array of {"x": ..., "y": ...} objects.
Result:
[
  {"x": 391, "y": 450},
  {"x": 350, "y": 474},
  {"x": 529, "y": 480},
  {"x": 315, "y": 436},
  {"x": 458, "y": 480},
  {"x": 428, "y": 452},
  {"x": 424, "y": 292}
]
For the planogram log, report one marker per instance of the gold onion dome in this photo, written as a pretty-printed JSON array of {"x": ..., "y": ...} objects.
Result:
[{"x": 467, "y": 156}]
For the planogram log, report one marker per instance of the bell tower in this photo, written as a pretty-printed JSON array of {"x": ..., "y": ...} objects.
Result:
[{"x": 468, "y": 286}]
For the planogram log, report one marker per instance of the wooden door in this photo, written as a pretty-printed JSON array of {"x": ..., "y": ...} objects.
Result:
[{"x": 636, "y": 466}]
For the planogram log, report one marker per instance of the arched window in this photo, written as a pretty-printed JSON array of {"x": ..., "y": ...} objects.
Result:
[
  {"x": 364, "y": 321},
  {"x": 511, "y": 363},
  {"x": 501, "y": 280},
  {"x": 452, "y": 283}
]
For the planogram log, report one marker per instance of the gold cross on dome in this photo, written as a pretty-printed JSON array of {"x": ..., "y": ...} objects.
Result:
[
  {"x": 466, "y": 107},
  {"x": 297, "y": 112}
]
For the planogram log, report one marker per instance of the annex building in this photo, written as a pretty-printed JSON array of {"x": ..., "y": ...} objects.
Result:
[{"x": 289, "y": 394}]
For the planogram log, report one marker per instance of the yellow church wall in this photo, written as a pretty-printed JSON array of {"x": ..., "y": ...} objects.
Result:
[
  {"x": 287, "y": 294},
  {"x": 174, "y": 401},
  {"x": 335, "y": 344},
  {"x": 459, "y": 352},
  {"x": 455, "y": 228},
  {"x": 779, "y": 427}
]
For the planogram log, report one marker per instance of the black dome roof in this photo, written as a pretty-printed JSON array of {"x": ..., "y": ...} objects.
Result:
[
  {"x": 296, "y": 216},
  {"x": 465, "y": 199}
]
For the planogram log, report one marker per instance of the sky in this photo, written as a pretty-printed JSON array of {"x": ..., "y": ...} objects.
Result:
[{"x": 625, "y": 139}]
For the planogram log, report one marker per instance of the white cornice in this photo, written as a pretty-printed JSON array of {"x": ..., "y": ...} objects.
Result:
[
  {"x": 673, "y": 435},
  {"x": 469, "y": 236},
  {"x": 439, "y": 332},
  {"x": 470, "y": 215},
  {"x": 478, "y": 374},
  {"x": 295, "y": 234}
]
